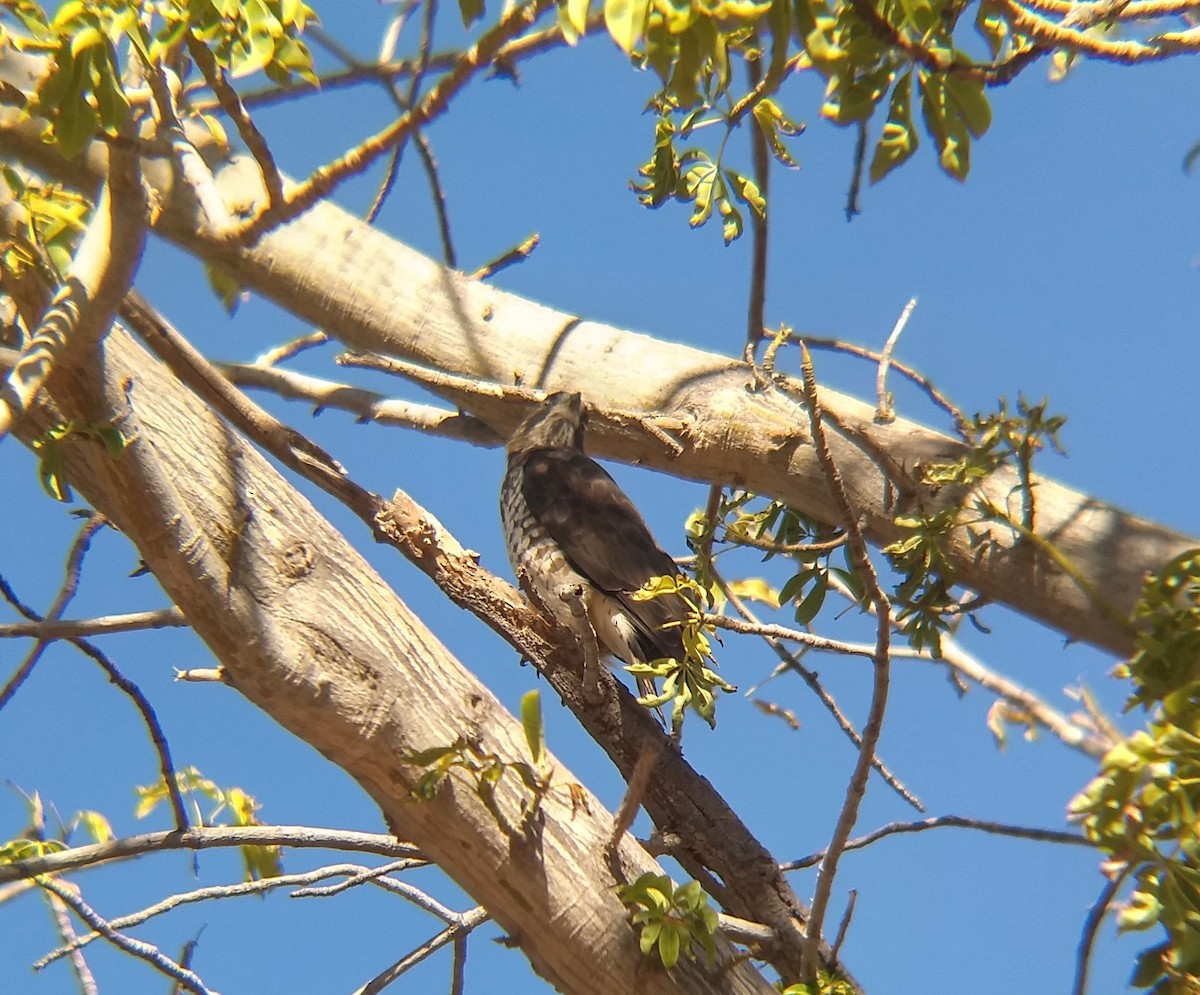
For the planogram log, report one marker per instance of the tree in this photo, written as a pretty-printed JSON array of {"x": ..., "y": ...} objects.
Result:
[{"x": 300, "y": 624}]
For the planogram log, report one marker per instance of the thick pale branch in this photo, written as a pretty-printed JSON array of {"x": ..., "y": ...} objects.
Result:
[
  {"x": 378, "y": 295},
  {"x": 306, "y": 630}
]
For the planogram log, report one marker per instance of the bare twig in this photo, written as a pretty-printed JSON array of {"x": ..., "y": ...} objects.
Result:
[
  {"x": 74, "y": 565},
  {"x": 947, "y": 822},
  {"x": 138, "y": 948},
  {"x": 365, "y": 405},
  {"x": 1091, "y": 925},
  {"x": 162, "y": 618},
  {"x": 634, "y": 792},
  {"x": 857, "y": 549},
  {"x": 845, "y": 924},
  {"x": 200, "y": 376},
  {"x": 131, "y": 690},
  {"x": 772, "y": 631},
  {"x": 885, "y": 411},
  {"x": 517, "y": 254},
  {"x": 356, "y": 874},
  {"x": 232, "y": 105},
  {"x": 462, "y": 927},
  {"x": 292, "y": 348},
  {"x": 792, "y": 662},
  {"x": 938, "y": 398},
  {"x": 66, "y": 933},
  {"x": 757, "y": 300},
  {"x": 786, "y": 548}
]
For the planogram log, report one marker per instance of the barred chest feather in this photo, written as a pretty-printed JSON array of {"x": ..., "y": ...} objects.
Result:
[{"x": 535, "y": 557}]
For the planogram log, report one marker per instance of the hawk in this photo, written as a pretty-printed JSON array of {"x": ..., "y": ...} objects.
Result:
[{"x": 574, "y": 536}]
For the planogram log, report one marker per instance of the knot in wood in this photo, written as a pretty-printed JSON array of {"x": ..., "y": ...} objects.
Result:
[{"x": 298, "y": 560}]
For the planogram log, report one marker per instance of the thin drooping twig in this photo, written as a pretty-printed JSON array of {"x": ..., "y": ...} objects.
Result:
[
  {"x": 860, "y": 558},
  {"x": 132, "y": 691},
  {"x": 79, "y": 549},
  {"x": 634, "y": 792},
  {"x": 1091, "y": 925},
  {"x": 845, "y": 924},
  {"x": 138, "y": 948},
  {"x": 792, "y": 662},
  {"x": 885, "y": 411},
  {"x": 465, "y": 924},
  {"x": 947, "y": 822}
]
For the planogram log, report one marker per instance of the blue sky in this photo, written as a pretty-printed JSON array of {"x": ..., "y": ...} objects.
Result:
[{"x": 1065, "y": 266}]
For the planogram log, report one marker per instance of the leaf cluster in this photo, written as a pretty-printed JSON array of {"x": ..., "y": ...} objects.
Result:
[
  {"x": 51, "y": 452},
  {"x": 230, "y": 807},
  {"x": 671, "y": 921},
  {"x": 1142, "y": 807},
  {"x": 54, "y": 219},
  {"x": 91, "y": 89},
  {"x": 34, "y": 841},
  {"x": 486, "y": 769},
  {"x": 687, "y": 683}
]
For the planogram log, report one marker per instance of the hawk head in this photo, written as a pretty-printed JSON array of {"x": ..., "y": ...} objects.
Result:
[{"x": 557, "y": 423}]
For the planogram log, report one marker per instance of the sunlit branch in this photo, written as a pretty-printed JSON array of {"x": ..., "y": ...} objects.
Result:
[
  {"x": 365, "y": 405},
  {"x": 207, "y": 838},
  {"x": 162, "y": 618}
]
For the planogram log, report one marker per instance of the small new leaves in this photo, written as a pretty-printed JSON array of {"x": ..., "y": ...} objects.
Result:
[
  {"x": 671, "y": 921},
  {"x": 55, "y": 219},
  {"x": 1142, "y": 808},
  {"x": 237, "y": 807},
  {"x": 485, "y": 769},
  {"x": 689, "y": 682},
  {"x": 924, "y": 596},
  {"x": 50, "y": 449}
]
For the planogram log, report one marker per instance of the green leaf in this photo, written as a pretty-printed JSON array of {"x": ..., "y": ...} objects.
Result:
[
  {"x": 969, "y": 97},
  {"x": 807, "y": 610},
  {"x": 572, "y": 17},
  {"x": 471, "y": 11},
  {"x": 899, "y": 139},
  {"x": 668, "y": 945},
  {"x": 626, "y": 22},
  {"x": 531, "y": 722}
]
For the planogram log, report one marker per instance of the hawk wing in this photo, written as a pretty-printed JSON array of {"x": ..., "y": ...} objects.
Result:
[{"x": 603, "y": 536}]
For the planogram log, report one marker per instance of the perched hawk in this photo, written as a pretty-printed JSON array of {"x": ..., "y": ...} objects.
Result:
[{"x": 573, "y": 535}]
